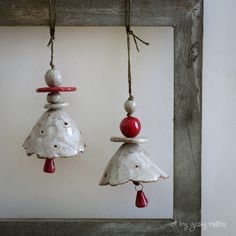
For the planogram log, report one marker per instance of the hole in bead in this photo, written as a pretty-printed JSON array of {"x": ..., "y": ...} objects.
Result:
[
  {"x": 42, "y": 131},
  {"x": 136, "y": 183},
  {"x": 136, "y": 166},
  {"x": 55, "y": 146},
  {"x": 66, "y": 124}
]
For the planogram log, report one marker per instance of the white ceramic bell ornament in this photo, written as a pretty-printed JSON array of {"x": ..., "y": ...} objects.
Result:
[
  {"x": 54, "y": 135},
  {"x": 131, "y": 162}
]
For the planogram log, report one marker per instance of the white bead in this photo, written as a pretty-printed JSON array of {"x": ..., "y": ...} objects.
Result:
[
  {"x": 54, "y": 97},
  {"x": 129, "y": 140},
  {"x": 56, "y": 105},
  {"x": 53, "y": 78},
  {"x": 130, "y": 106}
]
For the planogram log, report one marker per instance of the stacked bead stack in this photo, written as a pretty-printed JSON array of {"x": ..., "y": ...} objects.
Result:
[
  {"x": 55, "y": 134},
  {"x": 131, "y": 162},
  {"x": 130, "y": 126},
  {"x": 53, "y": 80}
]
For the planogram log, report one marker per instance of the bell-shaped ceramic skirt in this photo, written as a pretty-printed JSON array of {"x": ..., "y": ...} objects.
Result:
[
  {"x": 54, "y": 135},
  {"x": 131, "y": 163}
]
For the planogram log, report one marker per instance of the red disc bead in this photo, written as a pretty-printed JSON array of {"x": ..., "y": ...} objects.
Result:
[
  {"x": 130, "y": 126},
  {"x": 55, "y": 89}
]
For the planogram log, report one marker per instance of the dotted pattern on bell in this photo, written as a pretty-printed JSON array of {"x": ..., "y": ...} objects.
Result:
[{"x": 54, "y": 135}]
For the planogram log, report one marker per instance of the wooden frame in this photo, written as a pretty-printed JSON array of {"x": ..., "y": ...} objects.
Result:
[{"x": 186, "y": 17}]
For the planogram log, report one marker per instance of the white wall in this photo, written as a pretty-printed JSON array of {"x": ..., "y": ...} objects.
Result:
[
  {"x": 27, "y": 192},
  {"x": 219, "y": 118},
  {"x": 95, "y": 60}
]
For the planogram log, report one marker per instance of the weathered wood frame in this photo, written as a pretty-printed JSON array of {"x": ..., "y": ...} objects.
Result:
[{"x": 186, "y": 16}]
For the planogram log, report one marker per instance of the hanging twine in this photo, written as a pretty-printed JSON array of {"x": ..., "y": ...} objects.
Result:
[
  {"x": 52, "y": 23},
  {"x": 135, "y": 38}
]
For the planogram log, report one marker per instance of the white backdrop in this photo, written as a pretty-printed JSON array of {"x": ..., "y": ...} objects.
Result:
[
  {"x": 73, "y": 190},
  {"x": 219, "y": 119},
  {"x": 95, "y": 60}
]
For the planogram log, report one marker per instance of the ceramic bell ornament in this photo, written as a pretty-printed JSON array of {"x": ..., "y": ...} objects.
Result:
[
  {"x": 131, "y": 162},
  {"x": 54, "y": 135}
]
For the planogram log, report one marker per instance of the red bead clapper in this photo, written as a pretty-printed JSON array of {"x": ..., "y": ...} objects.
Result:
[
  {"x": 49, "y": 166},
  {"x": 141, "y": 200}
]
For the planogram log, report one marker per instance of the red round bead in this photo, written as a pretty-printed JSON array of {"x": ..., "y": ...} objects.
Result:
[{"x": 130, "y": 127}]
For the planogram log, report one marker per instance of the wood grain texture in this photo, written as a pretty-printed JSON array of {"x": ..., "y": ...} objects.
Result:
[
  {"x": 85, "y": 227},
  {"x": 94, "y": 13},
  {"x": 187, "y": 117},
  {"x": 186, "y": 17}
]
